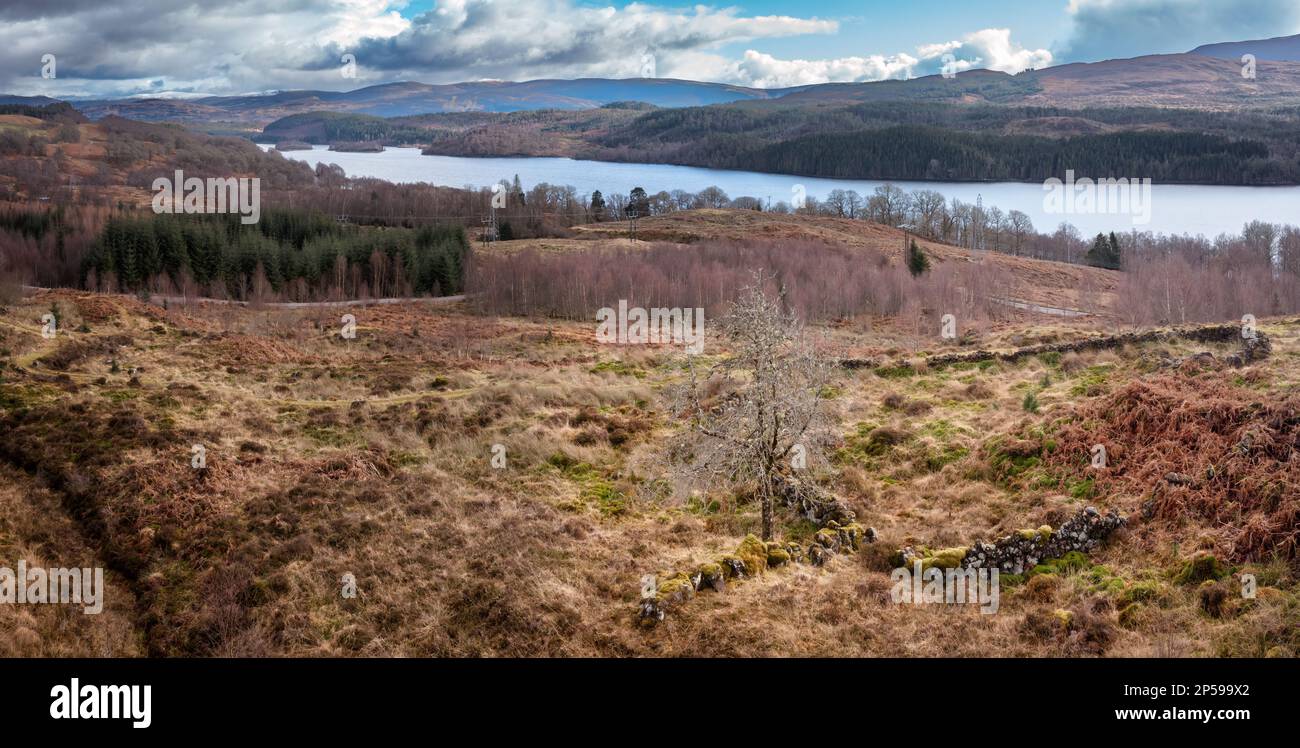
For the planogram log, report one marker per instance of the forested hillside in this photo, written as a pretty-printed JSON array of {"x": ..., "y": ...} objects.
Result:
[{"x": 893, "y": 140}]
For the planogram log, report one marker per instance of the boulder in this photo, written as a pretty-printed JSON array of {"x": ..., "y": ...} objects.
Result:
[
  {"x": 711, "y": 576},
  {"x": 753, "y": 553},
  {"x": 819, "y": 555},
  {"x": 777, "y": 555}
]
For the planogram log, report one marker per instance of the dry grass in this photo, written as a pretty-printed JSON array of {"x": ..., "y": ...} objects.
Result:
[{"x": 373, "y": 457}]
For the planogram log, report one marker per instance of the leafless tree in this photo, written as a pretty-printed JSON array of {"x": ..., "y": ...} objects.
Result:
[
  {"x": 1020, "y": 226},
  {"x": 834, "y": 204},
  {"x": 854, "y": 204},
  {"x": 887, "y": 205},
  {"x": 760, "y": 407}
]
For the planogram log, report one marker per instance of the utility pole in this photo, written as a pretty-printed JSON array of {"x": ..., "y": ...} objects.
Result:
[{"x": 490, "y": 227}]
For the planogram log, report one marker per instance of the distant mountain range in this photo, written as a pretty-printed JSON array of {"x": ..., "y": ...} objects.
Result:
[
  {"x": 6, "y": 100},
  {"x": 1209, "y": 77},
  {"x": 1184, "y": 81},
  {"x": 408, "y": 98}
]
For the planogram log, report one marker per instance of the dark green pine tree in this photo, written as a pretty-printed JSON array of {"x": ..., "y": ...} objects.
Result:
[
  {"x": 1097, "y": 253},
  {"x": 917, "y": 262},
  {"x": 1104, "y": 253},
  {"x": 518, "y": 189}
]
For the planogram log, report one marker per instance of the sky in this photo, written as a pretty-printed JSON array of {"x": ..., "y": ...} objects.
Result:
[{"x": 182, "y": 47}]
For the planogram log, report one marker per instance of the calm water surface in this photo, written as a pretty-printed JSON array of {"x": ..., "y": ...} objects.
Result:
[{"x": 1175, "y": 209}]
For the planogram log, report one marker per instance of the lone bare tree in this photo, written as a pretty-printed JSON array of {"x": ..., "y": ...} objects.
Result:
[{"x": 760, "y": 408}]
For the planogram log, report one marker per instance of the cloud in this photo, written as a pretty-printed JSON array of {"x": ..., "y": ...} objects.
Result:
[
  {"x": 765, "y": 71},
  {"x": 988, "y": 48},
  {"x": 994, "y": 50},
  {"x": 124, "y": 48},
  {"x": 253, "y": 45},
  {"x": 1107, "y": 29},
  {"x": 556, "y": 38},
  {"x": 179, "y": 47}
]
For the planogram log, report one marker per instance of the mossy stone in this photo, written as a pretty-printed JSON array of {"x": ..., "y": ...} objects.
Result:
[
  {"x": 945, "y": 558},
  {"x": 676, "y": 589},
  {"x": 732, "y": 565},
  {"x": 828, "y": 537},
  {"x": 777, "y": 556},
  {"x": 753, "y": 552}
]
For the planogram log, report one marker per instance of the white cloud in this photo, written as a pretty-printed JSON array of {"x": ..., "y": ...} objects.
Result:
[
  {"x": 765, "y": 71},
  {"x": 558, "y": 38},
  {"x": 127, "y": 48},
  {"x": 988, "y": 48},
  {"x": 180, "y": 47},
  {"x": 993, "y": 49},
  {"x": 280, "y": 44}
]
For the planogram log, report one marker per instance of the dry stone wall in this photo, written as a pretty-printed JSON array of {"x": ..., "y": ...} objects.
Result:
[{"x": 1023, "y": 550}]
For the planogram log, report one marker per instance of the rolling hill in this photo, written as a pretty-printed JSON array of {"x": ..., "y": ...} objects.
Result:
[
  {"x": 1277, "y": 48},
  {"x": 1185, "y": 81},
  {"x": 408, "y": 98},
  {"x": 1208, "y": 78}
]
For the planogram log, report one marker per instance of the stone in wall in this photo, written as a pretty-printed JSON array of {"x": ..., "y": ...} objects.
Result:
[{"x": 1022, "y": 550}]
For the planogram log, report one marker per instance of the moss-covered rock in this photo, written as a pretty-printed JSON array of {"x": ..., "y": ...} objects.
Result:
[
  {"x": 777, "y": 555},
  {"x": 753, "y": 552},
  {"x": 851, "y": 535},
  {"x": 650, "y": 612},
  {"x": 733, "y": 567},
  {"x": 710, "y": 575},
  {"x": 795, "y": 550},
  {"x": 819, "y": 554},
  {"x": 944, "y": 558},
  {"x": 828, "y": 538},
  {"x": 1043, "y": 533},
  {"x": 675, "y": 590}
]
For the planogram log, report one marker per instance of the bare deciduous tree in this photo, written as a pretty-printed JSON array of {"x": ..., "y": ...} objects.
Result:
[{"x": 761, "y": 407}]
